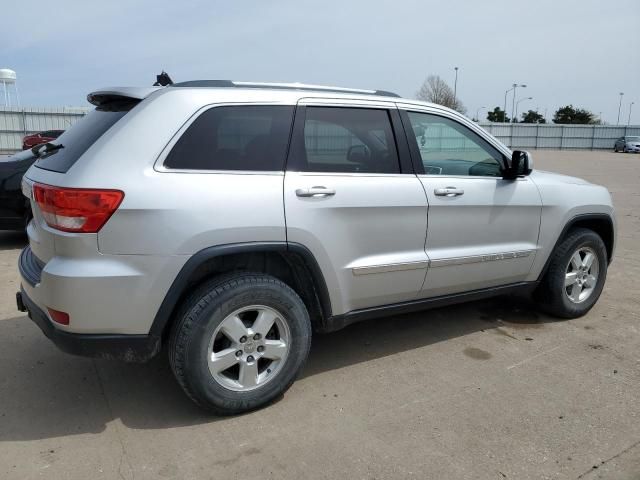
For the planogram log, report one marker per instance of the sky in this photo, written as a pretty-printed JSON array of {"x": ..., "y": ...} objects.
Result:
[{"x": 567, "y": 52}]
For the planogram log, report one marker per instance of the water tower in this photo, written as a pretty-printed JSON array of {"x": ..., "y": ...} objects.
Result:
[{"x": 8, "y": 80}]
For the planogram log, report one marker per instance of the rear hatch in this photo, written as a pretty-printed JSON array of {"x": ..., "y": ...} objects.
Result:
[{"x": 54, "y": 160}]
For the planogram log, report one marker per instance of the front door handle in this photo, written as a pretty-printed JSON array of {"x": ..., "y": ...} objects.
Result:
[
  {"x": 317, "y": 191},
  {"x": 448, "y": 192}
]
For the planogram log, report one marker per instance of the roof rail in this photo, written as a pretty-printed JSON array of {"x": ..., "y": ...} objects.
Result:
[{"x": 280, "y": 86}]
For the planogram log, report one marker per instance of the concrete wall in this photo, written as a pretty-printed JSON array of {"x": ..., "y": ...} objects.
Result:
[{"x": 558, "y": 137}]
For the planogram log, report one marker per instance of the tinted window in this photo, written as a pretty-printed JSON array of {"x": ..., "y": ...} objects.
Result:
[
  {"x": 251, "y": 137},
  {"x": 340, "y": 139},
  {"x": 449, "y": 148},
  {"x": 78, "y": 139}
]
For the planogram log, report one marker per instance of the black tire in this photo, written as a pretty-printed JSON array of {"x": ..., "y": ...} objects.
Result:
[
  {"x": 551, "y": 293},
  {"x": 198, "y": 319},
  {"x": 615, "y": 149}
]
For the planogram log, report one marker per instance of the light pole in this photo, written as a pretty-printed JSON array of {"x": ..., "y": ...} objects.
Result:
[
  {"x": 518, "y": 103},
  {"x": 455, "y": 87},
  {"x": 600, "y": 118},
  {"x": 620, "y": 107},
  {"x": 513, "y": 100},
  {"x": 478, "y": 114},
  {"x": 513, "y": 87},
  {"x": 630, "y": 107}
]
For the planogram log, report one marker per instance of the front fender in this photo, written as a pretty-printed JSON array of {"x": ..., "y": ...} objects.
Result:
[{"x": 565, "y": 206}]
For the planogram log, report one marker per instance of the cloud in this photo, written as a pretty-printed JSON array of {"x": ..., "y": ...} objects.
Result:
[{"x": 567, "y": 52}]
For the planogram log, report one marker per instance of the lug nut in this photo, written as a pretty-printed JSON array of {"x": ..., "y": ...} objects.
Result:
[
  {"x": 257, "y": 336},
  {"x": 239, "y": 353},
  {"x": 261, "y": 348},
  {"x": 250, "y": 358},
  {"x": 243, "y": 339}
]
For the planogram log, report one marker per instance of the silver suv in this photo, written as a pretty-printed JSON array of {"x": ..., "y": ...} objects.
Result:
[{"x": 228, "y": 221}]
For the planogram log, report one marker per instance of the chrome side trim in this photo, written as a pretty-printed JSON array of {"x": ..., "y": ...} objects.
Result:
[
  {"x": 392, "y": 267},
  {"x": 492, "y": 257},
  {"x": 443, "y": 262}
]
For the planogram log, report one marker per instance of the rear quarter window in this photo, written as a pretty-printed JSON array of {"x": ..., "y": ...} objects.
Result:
[
  {"x": 241, "y": 137},
  {"x": 77, "y": 140}
]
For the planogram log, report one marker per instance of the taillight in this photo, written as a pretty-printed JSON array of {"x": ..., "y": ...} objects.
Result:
[{"x": 76, "y": 209}]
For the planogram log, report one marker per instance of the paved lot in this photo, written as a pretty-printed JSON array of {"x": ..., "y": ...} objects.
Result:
[{"x": 488, "y": 390}]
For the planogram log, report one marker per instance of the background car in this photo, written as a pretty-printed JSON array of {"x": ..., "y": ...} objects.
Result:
[
  {"x": 31, "y": 141},
  {"x": 627, "y": 144},
  {"x": 15, "y": 211}
]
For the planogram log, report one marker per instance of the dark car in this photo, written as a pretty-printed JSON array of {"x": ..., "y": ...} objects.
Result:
[
  {"x": 15, "y": 211},
  {"x": 32, "y": 140}
]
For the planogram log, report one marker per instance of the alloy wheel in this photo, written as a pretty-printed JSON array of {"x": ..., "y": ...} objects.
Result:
[
  {"x": 581, "y": 275},
  {"x": 248, "y": 348}
]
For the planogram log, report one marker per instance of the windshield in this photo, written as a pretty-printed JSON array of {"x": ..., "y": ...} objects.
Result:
[{"x": 632, "y": 139}]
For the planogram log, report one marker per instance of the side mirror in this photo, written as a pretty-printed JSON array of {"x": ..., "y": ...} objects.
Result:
[{"x": 521, "y": 165}]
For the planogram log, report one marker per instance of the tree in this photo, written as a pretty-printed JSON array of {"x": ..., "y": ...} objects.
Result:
[
  {"x": 498, "y": 115},
  {"x": 571, "y": 115},
  {"x": 436, "y": 90},
  {"x": 532, "y": 117}
]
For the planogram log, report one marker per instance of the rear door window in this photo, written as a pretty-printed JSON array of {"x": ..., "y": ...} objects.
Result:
[
  {"x": 240, "y": 137},
  {"x": 346, "y": 140},
  {"x": 76, "y": 140}
]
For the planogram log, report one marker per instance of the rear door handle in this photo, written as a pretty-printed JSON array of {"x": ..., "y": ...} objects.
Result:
[
  {"x": 317, "y": 191},
  {"x": 448, "y": 192}
]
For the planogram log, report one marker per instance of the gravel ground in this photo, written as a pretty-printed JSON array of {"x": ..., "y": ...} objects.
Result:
[{"x": 486, "y": 390}]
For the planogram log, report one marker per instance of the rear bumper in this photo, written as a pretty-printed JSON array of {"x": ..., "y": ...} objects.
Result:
[
  {"x": 12, "y": 223},
  {"x": 102, "y": 294},
  {"x": 130, "y": 348},
  {"x": 13, "y": 213}
]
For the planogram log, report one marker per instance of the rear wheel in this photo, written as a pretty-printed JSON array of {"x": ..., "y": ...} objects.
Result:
[
  {"x": 240, "y": 342},
  {"x": 576, "y": 275}
]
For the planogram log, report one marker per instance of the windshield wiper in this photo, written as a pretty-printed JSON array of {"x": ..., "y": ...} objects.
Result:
[{"x": 46, "y": 148}]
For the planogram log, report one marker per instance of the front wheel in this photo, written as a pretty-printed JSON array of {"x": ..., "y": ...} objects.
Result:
[
  {"x": 576, "y": 275},
  {"x": 239, "y": 342}
]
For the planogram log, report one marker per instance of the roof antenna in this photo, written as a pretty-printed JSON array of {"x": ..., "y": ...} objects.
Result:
[{"x": 163, "y": 80}]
